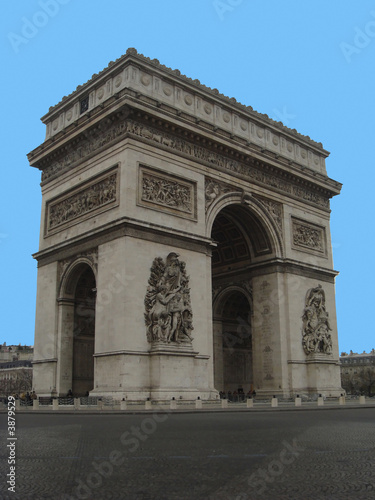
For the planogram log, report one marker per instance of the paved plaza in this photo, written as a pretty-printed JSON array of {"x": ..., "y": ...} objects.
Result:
[{"x": 298, "y": 455}]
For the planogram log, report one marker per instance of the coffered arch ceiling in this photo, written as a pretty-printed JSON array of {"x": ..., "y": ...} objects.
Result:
[{"x": 240, "y": 237}]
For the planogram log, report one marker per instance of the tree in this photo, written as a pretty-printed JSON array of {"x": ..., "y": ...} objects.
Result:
[{"x": 19, "y": 381}]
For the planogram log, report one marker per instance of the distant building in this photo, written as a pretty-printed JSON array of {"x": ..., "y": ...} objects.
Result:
[
  {"x": 16, "y": 352},
  {"x": 16, "y": 370},
  {"x": 358, "y": 372}
]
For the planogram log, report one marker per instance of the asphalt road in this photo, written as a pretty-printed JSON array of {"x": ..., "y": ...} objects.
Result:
[{"x": 328, "y": 454}]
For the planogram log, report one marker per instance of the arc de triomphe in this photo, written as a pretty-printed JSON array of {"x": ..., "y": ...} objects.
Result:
[{"x": 184, "y": 247}]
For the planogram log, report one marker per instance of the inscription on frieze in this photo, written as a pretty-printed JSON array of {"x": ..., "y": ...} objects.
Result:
[
  {"x": 165, "y": 192},
  {"x": 308, "y": 237},
  {"x": 84, "y": 201}
]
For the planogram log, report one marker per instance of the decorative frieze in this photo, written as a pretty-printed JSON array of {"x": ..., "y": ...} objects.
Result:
[
  {"x": 168, "y": 315},
  {"x": 168, "y": 193},
  {"x": 308, "y": 237},
  {"x": 249, "y": 170},
  {"x": 227, "y": 164},
  {"x": 315, "y": 332},
  {"x": 86, "y": 200}
]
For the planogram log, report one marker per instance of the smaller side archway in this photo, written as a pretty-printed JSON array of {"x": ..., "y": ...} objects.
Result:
[
  {"x": 76, "y": 329},
  {"x": 232, "y": 337}
]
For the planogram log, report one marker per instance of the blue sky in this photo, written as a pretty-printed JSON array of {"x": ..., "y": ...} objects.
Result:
[{"x": 308, "y": 64}]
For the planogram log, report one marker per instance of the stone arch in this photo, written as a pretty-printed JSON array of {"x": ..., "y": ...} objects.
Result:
[
  {"x": 222, "y": 294},
  {"x": 71, "y": 275},
  {"x": 248, "y": 244},
  {"x": 76, "y": 327},
  {"x": 232, "y": 339},
  {"x": 253, "y": 208}
]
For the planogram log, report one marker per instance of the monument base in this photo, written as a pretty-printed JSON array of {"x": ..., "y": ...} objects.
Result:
[
  {"x": 323, "y": 376},
  {"x": 176, "y": 371}
]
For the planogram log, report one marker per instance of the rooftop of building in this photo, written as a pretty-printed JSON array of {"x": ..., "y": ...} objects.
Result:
[
  {"x": 16, "y": 364},
  {"x": 355, "y": 356}
]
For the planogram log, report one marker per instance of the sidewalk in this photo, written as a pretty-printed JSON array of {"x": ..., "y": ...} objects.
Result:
[{"x": 217, "y": 406}]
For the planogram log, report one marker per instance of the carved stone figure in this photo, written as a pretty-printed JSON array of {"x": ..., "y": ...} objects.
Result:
[
  {"x": 168, "y": 315},
  {"x": 316, "y": 327},
  {"x": 167, "y": 193},
  {"x": 213, "y": 190},
  {"x": 82, "y": 202},
  {"x": 307, "y": 236}
]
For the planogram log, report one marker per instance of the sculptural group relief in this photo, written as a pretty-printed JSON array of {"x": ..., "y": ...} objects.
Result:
[
  {"x": 162, "y": 190},
  {"x": 86, "y": 200},
  {"x": 168, "y": 315},
  {"x": 316, "y": 337},
  {"x": 307, "y": 236}
]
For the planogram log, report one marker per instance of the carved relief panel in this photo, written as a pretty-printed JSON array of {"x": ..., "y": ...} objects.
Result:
[
  {"x": 84, "y": 201},
  {"x": 167, "y": 193},
  {"x": 168, "y": 315},
  {"x": 308, "y": 237},
  {"x": 315, "y": 331}
]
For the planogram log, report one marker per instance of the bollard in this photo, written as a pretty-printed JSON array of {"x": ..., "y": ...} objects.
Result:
[
  {"x": 123, "y": 405},
  {"x": 198, "y": 404},
  {"x": 35, "y": 404},
  {"x": 55, "y": 404},
  {"x": 297, "y": 401},
  {"x": 224, "y": 403},
  {"x": 342, "y": 399},
  {"x": 274, "y": 402},
  {"x": 148, "y": 404},
  {"x": 173, "y": 404},
  {"x": 18, "y": 404},
  {"x": 100, "y": 404},
  {"x": 250, "y": 403},
  {"x": 320, "y": 400},
  {"x": 362, "y": 400},
  {"x": 77, "y": 402}
]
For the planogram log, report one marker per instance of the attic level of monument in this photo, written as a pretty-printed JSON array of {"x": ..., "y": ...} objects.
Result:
[
  {"x": 167, "y": 75},
  {"x": 135, "y": 78},
  {"x": 185, "y": 245}
]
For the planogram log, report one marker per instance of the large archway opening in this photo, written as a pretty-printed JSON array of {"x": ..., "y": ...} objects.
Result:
[
  {"x": 233, "y": 344},
  {"x": 84, "y": 333},
  {"x": 242, "y": 244},
  {"x": 76, "y": 330}
]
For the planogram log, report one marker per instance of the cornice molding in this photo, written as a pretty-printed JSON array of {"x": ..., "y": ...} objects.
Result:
[
  {"x": 112, "y": 77},
  {"x": 124, "y": 226},
  {"x": 228, "y": 156}
]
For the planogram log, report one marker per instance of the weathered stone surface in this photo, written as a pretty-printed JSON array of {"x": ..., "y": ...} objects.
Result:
[{"x": 141, "y": 164}]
